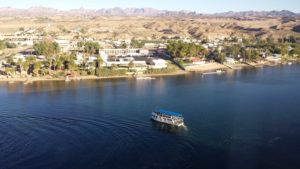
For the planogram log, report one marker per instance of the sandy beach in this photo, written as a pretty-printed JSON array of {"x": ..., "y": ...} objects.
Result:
[{"x": 206, "y": 67}]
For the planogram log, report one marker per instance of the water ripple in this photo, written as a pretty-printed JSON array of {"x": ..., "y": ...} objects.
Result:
[{"x": 25, "y": 140}]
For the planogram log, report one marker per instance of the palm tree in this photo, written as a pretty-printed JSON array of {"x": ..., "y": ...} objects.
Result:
[
  {"x": 10, "y": 71},
  {"x": 37, "y": 66},
  {"x": 58, "y": 63},
  {"x": 130, "y": 65},
  {"x": 10, "y": 60},
  {"x": 19, "y": 62},
  {"x": 99, "y": 62},
  {"x": 114, "y": 67},
  {"x": 25, "y": 65},
  {"x": 31, "y": 59},
  {"x": 71, "y": 65}
]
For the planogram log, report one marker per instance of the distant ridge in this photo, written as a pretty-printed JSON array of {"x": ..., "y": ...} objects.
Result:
[
  {"x": 282, "y": 13},
  {"x": 40, "y": 11}
]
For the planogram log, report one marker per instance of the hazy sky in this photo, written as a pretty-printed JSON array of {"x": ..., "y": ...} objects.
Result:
[{"x": 201, "y": 6}]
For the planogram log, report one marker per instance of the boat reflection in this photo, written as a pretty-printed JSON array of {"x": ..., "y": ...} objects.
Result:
[{"x": 167, "y": 128}]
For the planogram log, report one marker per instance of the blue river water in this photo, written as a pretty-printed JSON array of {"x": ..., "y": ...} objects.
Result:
[{"x": 244, "y": 119}]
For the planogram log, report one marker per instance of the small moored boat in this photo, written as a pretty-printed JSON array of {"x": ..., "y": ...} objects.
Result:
[
  {"x": 219, "y": 71},
  {"x": 168, "y": 117},
  {"x": 67, "y": 79},
  {"x": 145, "y": 78}
]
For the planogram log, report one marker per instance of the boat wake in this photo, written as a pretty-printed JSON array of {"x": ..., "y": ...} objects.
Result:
[
  {"x": 30, "y": 137},
  {"x": 171, "y": 129}
]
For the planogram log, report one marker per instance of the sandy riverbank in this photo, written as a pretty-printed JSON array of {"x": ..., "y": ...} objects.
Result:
[
  {"x": 198, "y": 68},
  {"x": 206, "y": 67},
  {"x": 27, "y": 80}
]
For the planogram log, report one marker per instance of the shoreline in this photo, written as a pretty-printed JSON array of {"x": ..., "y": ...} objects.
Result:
[
  {"x": 210, "y": 67},
  {"x": 27, "y": 80}
]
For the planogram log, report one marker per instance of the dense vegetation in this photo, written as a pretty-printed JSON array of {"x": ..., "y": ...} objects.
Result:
[
  {"x": 256, "y": 49},
  {"x": 46, "y": 48},
  {"x": 4, "y": 45},
  {"x": 137, "y": 44},
  {"x": 179, "y": 49},
  {"x": 57, "y": 63},
  {"x": 89, "y": 47}
]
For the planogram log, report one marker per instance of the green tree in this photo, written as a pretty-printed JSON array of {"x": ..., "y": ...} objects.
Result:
[
  {"x": 296, "y": 51},
  {"x": 284, "y": 50},
  {"x": 254, "y": 55},
  {"x": 2, "y": 45},
  {"x": 10, "y": 60},
  {"x": 25, "y": 65},
  {"x": 46, "y": 48},
  {"x": 43, "y": 71},
  {"x": 131, "y": 64},
  {"x": 57, "y": 64},
  {"x": 99, "y": 62},
  {"x": 10, "y": 45},
  {"x": 220, "y": 57},
  {"x": 36, "y": 67},
  {"x": 270, "y": 40},
  {"x": 248, "y": 54},
  {"x": 136, "y": 44},
  {"x": 91, "y": 47},
  {"x": 114, "y": 67},
  {"x": 123, "y": 46},
  {"x": 10, "y": 71},
  {"x": 233, "y": 50},
  {"x": 181, "y": 50},
  {"x": 83, "y": 30},
  {"x": 80, "y": 44},
  {"x": 31, "y": 59},
  {"x": 19, "y": 62}
]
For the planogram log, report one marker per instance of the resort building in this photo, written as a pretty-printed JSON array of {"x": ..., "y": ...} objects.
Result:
[
  {"x": 66, "y": 45},
  {"x": 125, "y": 52}
]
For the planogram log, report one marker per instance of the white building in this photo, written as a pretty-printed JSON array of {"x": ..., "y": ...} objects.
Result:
[
  {"x": 157, "y": 63},
  {"x": 124, "y": 52},
  {"x": 229, "y": 60},
  {"x": 91, "y": 59},
  {"x": 66, "y": 45}
]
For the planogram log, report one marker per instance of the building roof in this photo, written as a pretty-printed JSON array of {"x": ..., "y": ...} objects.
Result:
[
  {"x": 170, "y": 113},
  {"x": 159, "y": 61}
]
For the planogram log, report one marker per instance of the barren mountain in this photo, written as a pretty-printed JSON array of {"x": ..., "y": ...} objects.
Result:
[
  {"x": 117, "y": 23},
  {"x": 43, "y": 11}
]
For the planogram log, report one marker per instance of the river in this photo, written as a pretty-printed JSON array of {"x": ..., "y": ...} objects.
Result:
[{"x": 248, "y": 119}]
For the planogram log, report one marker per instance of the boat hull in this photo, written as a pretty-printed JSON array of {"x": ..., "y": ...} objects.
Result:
[{"x": 160, "y": 119}]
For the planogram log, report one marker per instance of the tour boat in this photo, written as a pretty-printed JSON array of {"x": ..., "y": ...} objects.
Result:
[
  {"x": 168, "y": 117},
  {"x": 290, "y": 63}
]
